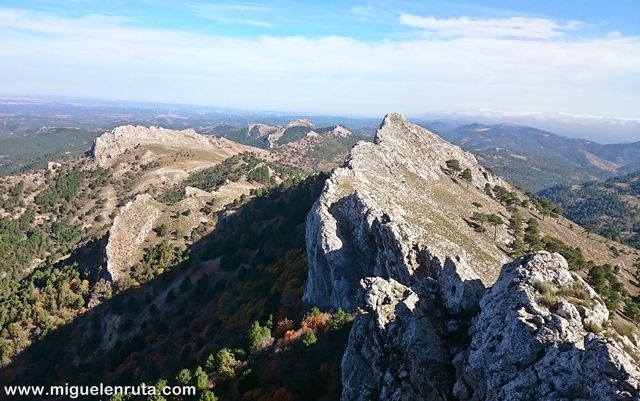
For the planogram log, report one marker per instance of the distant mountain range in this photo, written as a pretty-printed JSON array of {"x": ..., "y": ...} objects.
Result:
[{"x": 537, "y": 159}]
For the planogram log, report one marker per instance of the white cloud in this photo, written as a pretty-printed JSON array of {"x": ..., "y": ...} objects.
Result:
[
  {"x": 228, "y": 13},
  {"x": 105, "y": 57},
  {"x": 512, "y": 27}
]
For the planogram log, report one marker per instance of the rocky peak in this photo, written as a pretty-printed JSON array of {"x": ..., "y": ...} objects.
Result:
[
  {"x": 301, "y": 122},
  {"x": 260, "y": 130},
  {"x": 112, "y": 144},
  {"x": 337, "y": 130},
  {"x": 393, "y": 210}
]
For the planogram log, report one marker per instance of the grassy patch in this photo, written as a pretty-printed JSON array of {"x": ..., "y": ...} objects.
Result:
[
  {"x": 542, "y": 287},
  {"x": 623, "y": 328},
  {"x": 575, "y": 294},
  {"x": 548, "y": 300},
  {"x": 593, "y": 327}
]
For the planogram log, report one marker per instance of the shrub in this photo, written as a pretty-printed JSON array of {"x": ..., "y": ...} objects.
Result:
[
  {"x": 548, "y": 300},
  {"x": 309, "y": 338},
  {"x": 340, "y": 319},
  {"x": 453, "y": 164}
]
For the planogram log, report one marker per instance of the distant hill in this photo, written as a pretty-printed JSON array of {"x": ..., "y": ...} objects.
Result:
[
  {"x": 612, "y": 207},
  {"x": 301, "y": 142},
  {"x": 538, "y": 159},
  {"x": 26, "y": 152}
]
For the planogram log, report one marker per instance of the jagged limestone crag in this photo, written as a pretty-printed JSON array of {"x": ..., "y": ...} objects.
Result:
[
  {"x": 398, "y": 347},
  {"x": 108, "y": 146},
  {"x": 393, "y": 211},
  {"x": 270, "y": 136},
  {"x": 129, "y": 230},
  {"x": 388, "y": 237},
  {"x": 522, "y": 349}
]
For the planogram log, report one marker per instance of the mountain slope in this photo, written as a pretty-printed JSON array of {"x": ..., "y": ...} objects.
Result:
[
  {"x": 79, "y": 231},
  {"x": 610, "y": 207},
  {"x": 538, "y": 159}
]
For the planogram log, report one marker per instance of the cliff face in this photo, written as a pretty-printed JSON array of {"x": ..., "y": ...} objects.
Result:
[
  {"x": 389, "y": 237},
  {"x": 129, "y": 230}
]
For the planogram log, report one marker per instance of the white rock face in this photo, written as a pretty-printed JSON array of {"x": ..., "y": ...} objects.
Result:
[
  {"x": 112, "y": 144},
  {"x": 395, "y": 351},
  {"x": 130, "y": 228},
  {"x": 270, "y": 134},
  {"x": 522, "y": 349},
  {"x": 301, "y": 122},
  {"x": 339, "y": 130}
]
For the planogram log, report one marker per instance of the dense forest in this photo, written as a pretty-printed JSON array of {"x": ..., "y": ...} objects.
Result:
[
  {"x": 231, "y": 311},
  {"x": 611, "y": 208}
]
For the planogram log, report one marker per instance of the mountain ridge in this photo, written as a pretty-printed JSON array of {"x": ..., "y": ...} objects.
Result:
[
  {"x": 537, "y": 159},
  {"x": 418, "y": 284}
]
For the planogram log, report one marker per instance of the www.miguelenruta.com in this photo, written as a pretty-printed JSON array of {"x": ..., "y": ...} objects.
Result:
[{"x": 102, "y": 390}]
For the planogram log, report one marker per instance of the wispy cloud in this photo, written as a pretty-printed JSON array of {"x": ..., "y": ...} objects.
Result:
[
  {"x": 363, "y": 12},
  {"x": 107, "y": 57},
  {"x": 511, "y": 27},
  {"x": 235, "y": 13}
]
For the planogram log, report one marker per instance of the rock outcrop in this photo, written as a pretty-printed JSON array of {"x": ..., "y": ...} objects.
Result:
[
  {"x": 129, "y": 230},
  {"x": 526, "y": 347},
  {"x": 396, "y": 350},
  {"x": 272, "y": 136},
  {"x": 108, "y": 146},
  {"x": 388, "y": 238}
]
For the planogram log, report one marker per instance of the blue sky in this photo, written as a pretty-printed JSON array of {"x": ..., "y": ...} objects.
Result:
[{"x": 355, "y": 58}]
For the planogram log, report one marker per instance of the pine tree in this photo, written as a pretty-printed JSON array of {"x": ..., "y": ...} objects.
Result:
[
  {"x": 453, "y": 165},
  {"x": 309, "y": 338},
  {"x": 200, "y": 379},
  {"x": 480, "y": 218},
  {"x": 488, "y": 190},
  {"x": 495, "y": 221},
  {"x": 207, "y": 395},
  {"x": 517, "y": 246},
  {"x": 184, "y": 377},
  {"x": 466, "y": 175},
  {"x": 532, "y": 235},
  {"x": 224, "y": 363}
]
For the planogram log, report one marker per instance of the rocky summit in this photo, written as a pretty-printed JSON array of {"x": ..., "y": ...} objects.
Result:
[
  {"x": 394, "y": 211},
  {"x": 111, "y": 144},
  {"x": 443, "y": 314}
]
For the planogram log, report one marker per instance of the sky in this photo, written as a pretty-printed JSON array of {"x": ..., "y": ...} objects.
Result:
[{"x": 357, "y": 58}]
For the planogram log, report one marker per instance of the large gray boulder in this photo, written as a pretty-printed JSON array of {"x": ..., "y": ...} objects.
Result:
[{"x": 532, "y": 340}]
